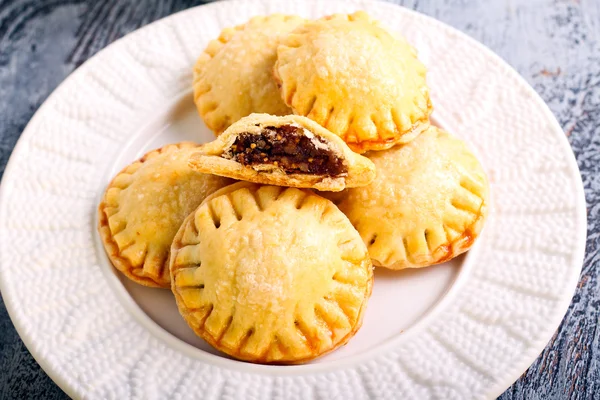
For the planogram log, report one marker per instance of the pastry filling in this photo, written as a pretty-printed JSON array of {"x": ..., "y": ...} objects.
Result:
[{"x": 289, "y": 148}]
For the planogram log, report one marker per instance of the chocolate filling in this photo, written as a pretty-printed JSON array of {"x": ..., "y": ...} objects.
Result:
[{"x": 288, "y": 148}]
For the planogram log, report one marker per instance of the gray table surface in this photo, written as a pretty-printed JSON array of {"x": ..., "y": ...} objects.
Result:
[{"x": 554, "y": 44}]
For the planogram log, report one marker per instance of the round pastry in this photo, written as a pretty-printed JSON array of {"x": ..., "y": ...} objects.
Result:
[
  {"x": 234, "y": 75},
  {"x": 427, "y": 204},
  {"x": 143, "y": 208},
  {"x": 286, "y": 151},
  {"x": 356, "y": 79},
  {"x": 270, "y": 274}
]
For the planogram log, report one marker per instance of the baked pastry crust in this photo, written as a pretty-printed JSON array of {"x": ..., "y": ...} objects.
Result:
[
  {"x": 270, "y": 274},
  {"x": 234, "y": 75},
  {"x": 427, "y": 204},
  {"x": 213, "y": 157},
  {"x": 356, "y": 79},
  {"x": 143, "y": 207}
]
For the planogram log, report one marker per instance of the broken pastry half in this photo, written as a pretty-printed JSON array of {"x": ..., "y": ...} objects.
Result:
[
  {"x": 270, "y": 274},
  {"x": 143, "y": 208},
  {"x": 427, "y": 204},
  {"x": 356, "y": 79},
  {"x": 286, "y": 151}
]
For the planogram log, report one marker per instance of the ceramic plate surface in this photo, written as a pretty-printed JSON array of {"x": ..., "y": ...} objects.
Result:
[{"x": 464, "y": 329}]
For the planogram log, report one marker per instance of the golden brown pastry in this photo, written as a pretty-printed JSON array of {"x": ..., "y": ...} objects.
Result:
[
  {"x": 356, "y": 79},
  {"x": 427, "y": 204},
  {"x": 270, "y": 274},
  {"x": 143, "y": 208},
  {"x": 234, "y": 76},
  {"x": 285, "y": 151}
]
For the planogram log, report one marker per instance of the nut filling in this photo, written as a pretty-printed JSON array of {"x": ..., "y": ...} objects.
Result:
[{"x": 288, "y": 148}]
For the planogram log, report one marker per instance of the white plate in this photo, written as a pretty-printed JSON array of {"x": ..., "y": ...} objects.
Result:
[{"x": 465, "y": 329}]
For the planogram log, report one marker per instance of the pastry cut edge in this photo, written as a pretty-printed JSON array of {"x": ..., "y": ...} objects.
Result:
[{"x": 285, "y": 151}]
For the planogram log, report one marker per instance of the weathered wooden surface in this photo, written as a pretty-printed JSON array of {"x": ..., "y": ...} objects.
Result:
[{"x": 554, "y": 44}]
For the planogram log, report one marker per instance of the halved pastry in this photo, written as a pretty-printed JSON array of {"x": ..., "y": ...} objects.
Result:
[
  {"x": 233, "y": 77},
  {"x": 356, "y": 79},
  {"x": 270, "y": 274},
  {"x": 285, "y": 151},
  {"x": 143, "y": 208},
  {"x": 427, "y": 204}
]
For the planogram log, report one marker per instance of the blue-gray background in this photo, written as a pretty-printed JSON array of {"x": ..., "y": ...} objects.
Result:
[{"x": 554, "y": 44}]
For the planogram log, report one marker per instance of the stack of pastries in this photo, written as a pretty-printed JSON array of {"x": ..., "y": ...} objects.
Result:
[{"x": 325, "y": 164}]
